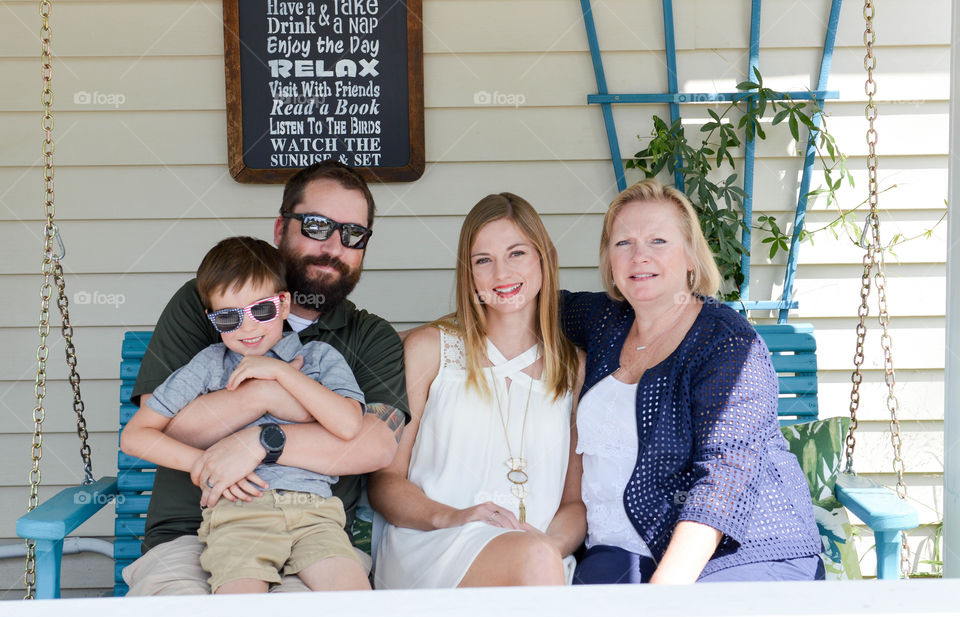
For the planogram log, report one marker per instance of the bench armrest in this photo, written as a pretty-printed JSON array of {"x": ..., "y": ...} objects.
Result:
[
  {"x": 67, "y": 510},
  {"x": 878, "y": 507},
  {"x": 883, "y": 512},
  {"x": 49, "y": 523}
]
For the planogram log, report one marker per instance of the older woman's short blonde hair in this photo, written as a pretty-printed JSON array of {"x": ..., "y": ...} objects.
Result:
[{"x": 705, "y": 279}]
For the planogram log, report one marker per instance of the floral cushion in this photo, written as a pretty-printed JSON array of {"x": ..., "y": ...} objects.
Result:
[
  {"x": 819, "y": 446},
  {"x": 362, "y": 530}
]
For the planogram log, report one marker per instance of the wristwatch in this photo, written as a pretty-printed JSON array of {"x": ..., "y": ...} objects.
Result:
[{"x": 272, "y": 438}]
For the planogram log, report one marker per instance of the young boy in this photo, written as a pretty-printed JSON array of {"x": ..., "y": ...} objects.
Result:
[{"x": 296, "y": 527}]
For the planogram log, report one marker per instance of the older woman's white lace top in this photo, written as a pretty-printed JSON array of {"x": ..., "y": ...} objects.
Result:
[{"x": 607, "y": 439}]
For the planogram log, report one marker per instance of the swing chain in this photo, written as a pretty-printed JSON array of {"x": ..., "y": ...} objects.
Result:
[
  {"x": 51, "y": 267},
  {"x": 71, "y": 355},
  {"x": 874, "y": 257},
  {"x": 857, "y": 378},
  {"x": 49, "y": 232}
]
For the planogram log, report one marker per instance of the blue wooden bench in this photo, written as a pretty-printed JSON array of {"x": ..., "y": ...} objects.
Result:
[{"x": 793, "y": 349}]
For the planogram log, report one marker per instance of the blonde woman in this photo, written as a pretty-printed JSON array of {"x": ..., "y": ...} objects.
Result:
[
  {"x": 484, "y": 489},
  {"x": 686, "y": 476}
]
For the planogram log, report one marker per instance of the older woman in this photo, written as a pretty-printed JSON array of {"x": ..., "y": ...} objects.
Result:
[{"x": 686, "y": 476}]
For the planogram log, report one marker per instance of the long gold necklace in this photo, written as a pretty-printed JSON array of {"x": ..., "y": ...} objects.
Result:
[{"x": 517, "y": 474}]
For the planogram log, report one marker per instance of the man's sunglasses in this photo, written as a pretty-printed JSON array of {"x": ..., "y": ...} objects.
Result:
[
  {"x": 229, "y": 319},
  {"x": 318, "y": 227}
]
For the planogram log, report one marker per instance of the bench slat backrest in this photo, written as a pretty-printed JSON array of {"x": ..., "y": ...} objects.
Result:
[
  {"x": 793, "y": 350},
  {"x": 134, "y": 476}
]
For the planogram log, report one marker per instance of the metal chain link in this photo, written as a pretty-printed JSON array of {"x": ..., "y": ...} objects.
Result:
[
  {"x": 49, "y": 231},
  {"x": 51, "y": 266},
  {"x": 71, "y": 355},
  {"x": 874, "y": 257},
  {"x": 856, "y": 377}
]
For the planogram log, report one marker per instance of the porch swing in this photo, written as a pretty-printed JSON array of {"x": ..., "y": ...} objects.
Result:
[
  {"x": 821, "y": 443},
  {"x": 45, "y": 526}
]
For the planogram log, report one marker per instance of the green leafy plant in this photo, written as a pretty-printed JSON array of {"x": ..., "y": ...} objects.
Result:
[
  {"x": 936, "y": 564},
  {"x": 719, "y": 202}
]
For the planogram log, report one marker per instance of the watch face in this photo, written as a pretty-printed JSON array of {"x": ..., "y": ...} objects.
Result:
[{"x": 272, "y": 437}]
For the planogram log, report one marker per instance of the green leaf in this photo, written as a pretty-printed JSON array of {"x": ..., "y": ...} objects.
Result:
[
  {"x": 794, "y": 129},
  {"x": 808, "y": 122},
  {"x": 783, "y": 113},
  {"x": 747, "y": 85}
]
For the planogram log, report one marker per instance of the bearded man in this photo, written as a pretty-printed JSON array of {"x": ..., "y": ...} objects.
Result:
[{"x": 325, "y": 223}]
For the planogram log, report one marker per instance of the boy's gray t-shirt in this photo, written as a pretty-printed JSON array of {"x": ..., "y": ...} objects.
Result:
[{"x": 210, "y": 370}]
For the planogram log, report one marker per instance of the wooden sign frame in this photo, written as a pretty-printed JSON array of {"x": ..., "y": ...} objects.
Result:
[{"x": 239, "y": 170}]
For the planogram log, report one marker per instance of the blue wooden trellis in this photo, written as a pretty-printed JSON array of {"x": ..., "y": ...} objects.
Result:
[{"x": 674, "y": 98}]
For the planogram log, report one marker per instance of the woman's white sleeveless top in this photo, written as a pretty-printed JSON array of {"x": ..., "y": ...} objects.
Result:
[{"x": 459, "y": 459}]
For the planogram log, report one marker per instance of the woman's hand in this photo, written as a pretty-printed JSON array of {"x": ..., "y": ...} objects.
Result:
[{"x": 487, "y": 512}]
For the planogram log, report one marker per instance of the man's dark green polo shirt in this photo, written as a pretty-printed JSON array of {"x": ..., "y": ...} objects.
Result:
[{"x": 370, "y": 345}]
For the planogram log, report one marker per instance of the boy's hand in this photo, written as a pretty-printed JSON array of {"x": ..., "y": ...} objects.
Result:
[
  {"x": 246, "y": 489},
  {"x": 261, "y": 367}
]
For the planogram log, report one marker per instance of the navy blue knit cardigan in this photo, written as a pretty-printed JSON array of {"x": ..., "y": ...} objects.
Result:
[{"x": 710, "y": 448}]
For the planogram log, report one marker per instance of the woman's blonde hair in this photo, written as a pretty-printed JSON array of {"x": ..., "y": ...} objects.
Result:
[
  {"x": 559, "y": 356},
  {"x": 705, "y": 278}
]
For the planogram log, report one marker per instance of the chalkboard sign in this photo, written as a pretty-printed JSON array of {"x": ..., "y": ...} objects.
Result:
[{"x": 309, "y": 80}]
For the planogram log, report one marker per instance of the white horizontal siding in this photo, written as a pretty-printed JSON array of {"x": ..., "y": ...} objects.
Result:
[
  {"x": 186, "y": 27},
  {"x": 557, "y": 79},
  {"x": 93, "y": 193},
  {"x": 480, "y": 133}
]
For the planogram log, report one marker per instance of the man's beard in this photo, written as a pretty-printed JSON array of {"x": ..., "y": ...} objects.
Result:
[{"x": 320, "y": 294}]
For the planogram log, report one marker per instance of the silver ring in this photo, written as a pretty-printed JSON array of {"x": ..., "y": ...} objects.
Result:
[{"x": 209, "y": 484}]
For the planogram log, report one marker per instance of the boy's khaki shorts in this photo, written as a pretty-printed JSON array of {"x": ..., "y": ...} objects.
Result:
[{"x": 278, "y": 532}]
